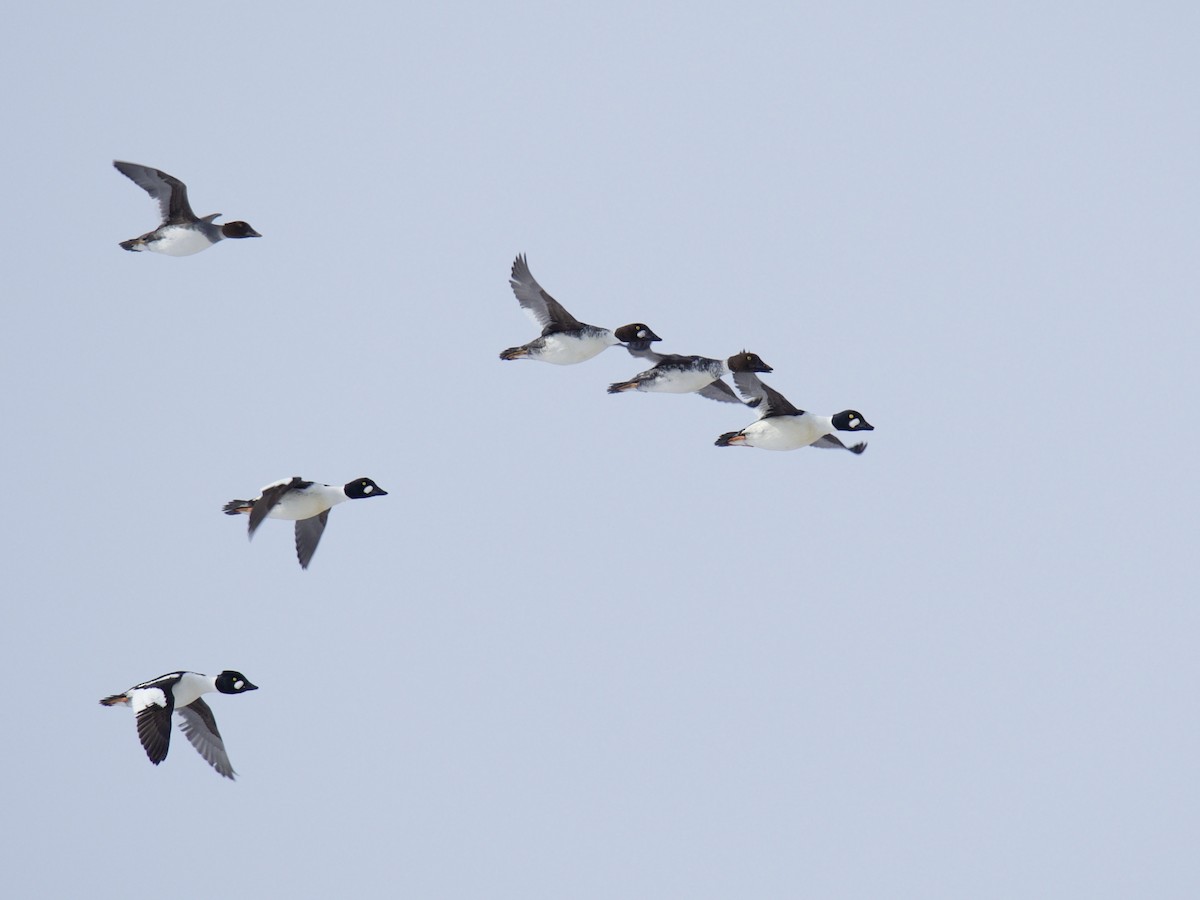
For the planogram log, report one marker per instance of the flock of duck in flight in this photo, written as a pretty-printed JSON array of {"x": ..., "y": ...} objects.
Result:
[{"x": 564, "y": 340}]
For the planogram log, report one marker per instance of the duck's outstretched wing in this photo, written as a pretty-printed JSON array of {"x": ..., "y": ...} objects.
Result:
[
  {"x": 198, "y": 725},
  {"x": 641, "y": 349},
  {"x": 169, "y": 191},
  {"x": 832, "y": 441},
  {"x": 719, "y": 390},
  {"x": 152, "y": 706},
  {"x": 763, "y": 398},
  {"x": 270, "y": 496},
  {"x": 545, "y": 310},
  {"x": 308, "y": 535}
]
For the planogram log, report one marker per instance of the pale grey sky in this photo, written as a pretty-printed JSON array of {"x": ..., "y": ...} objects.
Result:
[{"x": 578, "y": 651}]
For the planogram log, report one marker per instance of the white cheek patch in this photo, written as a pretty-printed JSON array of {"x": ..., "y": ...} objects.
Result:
[
  {"x": 368, "y": 489},
  {"x": 854, "y": 423},
  {"x": 642, "y": 333},
  {"x": 238, "y": 685}
]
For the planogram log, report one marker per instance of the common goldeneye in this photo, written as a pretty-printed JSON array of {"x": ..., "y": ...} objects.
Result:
[
  {"x": 564, "y": 340},
  {"x": 675, "y": 374},
  {"x": 305, "y": 502},
  {"x": 181, "y": 232},
  {"x": 154, "y": 701},
  {"x": 781, "y": 426}
]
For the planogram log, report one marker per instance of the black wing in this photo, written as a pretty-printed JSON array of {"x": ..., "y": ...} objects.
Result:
[
  {"x": 200, "y": 728},
  {"x": 548, "y": 312},
  {"x": 308, "y": 535},
  {"x": 768, "y": 401},
  {"x": 834, "y": 442},
  {"x": 270, "y": 496},
  {"x": 170, "y": 192},
  {"x": 154, "y": 730},
  {"x": 719, "y": 390}
]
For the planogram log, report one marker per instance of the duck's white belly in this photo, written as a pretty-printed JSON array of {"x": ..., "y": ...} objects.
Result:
[
  {"x": 567, "y": 351},
  {"x": 678, "y": 382},
  {"x": 784, "y": 433},
  {"x": 179, "y": 241},
  {"x": 304, "y": 505}
]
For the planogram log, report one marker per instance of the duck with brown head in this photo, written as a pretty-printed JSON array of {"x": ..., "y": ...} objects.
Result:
[
  {"x": 181, "y": 232},
  {"x": 675, "y": 374},
  {"x": 564, "y": 340}
]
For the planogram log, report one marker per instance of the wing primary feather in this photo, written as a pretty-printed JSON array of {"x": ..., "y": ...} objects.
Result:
[
  {"x": 154, "y": 731},
  {"x": 719, "y": 390},
  {"x": 199, "y": 726},
  {"x": 271, "y": 496},
  {"x": 308, "y": 535}
]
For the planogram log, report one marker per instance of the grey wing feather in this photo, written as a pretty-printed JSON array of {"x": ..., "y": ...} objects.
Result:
[
  {"x": 641, "y": 349},
  {"x": 548, "y": 312},
  {"x": 832, "y": 441},
  {"x": 200, "y": 728},
  {"x": 270, "y": 496},
  {"x": 308, "y": 535},
  {"x": 719, "y": 390},
  {"x": 751, "y": 389},
  {"x": 760, "y": 396},
  {"x": 170, "y": 192}
]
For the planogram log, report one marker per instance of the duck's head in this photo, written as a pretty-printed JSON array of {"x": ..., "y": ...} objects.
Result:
[
  {"x": 238, "y": 230},
  {"x": 232, "y": 682}
]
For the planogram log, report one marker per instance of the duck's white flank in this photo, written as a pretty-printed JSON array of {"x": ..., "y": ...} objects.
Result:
[
  {"x": 304, "y": 504},
  {"x": 563, "y": 350},
  {"x": 787, "y": 432},
  {"x": 180, "y": 240},
  {"x": 678, "y": 381}
]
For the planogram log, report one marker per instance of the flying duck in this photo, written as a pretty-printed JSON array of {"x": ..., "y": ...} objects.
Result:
[
  {"x": 307, "y": 503},
  {"x": 181, "y": 232},
  {"x": 564, "y": 340},
  {"x": 153, "y": 702},
  {"x": 781, "y": 426},
  {"x": 675, "y": 374}
]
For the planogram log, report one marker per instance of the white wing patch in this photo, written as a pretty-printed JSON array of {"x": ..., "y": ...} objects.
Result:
[
  {"x": 140, "y": 698},
  {"x": 279, "y": 483}
]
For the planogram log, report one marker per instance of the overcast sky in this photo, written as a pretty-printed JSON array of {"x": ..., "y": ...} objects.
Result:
[{"x": 578, "y": 651}]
